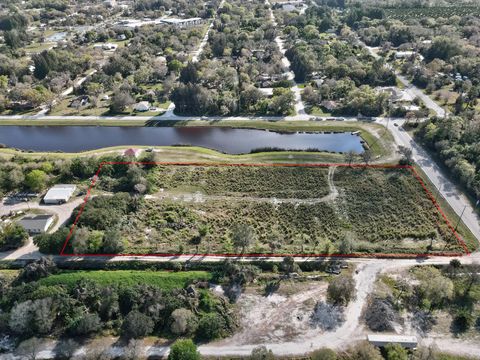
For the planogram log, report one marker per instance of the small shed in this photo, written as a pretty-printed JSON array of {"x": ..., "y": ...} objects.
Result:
[
  {"x": 131, "y": 152},
  {"x": 380, "y": 340},
  {"x": 36, "y": 224}
]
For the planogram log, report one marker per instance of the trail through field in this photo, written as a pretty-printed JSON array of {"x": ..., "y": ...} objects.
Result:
[
  {"x": 199, "y": 197},
  {"x": 453, "y": 346},
  {"x": 333, "y": 190}
]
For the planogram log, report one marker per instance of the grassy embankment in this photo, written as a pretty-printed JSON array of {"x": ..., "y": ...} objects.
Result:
[
  {"x": 467, "y": 236},
  {"x": 161, "y": 279}
]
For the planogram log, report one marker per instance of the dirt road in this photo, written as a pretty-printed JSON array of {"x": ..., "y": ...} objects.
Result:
[
  {"x": 297, "y": 92},
  {"x": 62, "y": 213},
  {"x": 350, "y": 331}
]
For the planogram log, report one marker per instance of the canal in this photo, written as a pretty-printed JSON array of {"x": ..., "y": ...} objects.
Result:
[{"x": 227, "y": 140}]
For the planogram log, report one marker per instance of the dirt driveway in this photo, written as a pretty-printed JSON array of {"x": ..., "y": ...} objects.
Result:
[{"x": 62, "y": 213}]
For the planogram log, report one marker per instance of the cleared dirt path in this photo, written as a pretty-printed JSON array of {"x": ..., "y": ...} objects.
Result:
[
  {"x": 297, "y": 92},
  {"x": 62, "y": 213},
  {"x": 204, "y": 41},
  {"x": 350, "y": 331}
]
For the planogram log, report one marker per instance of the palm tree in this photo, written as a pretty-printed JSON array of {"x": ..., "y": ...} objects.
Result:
[{"x": 350, "y": 157}]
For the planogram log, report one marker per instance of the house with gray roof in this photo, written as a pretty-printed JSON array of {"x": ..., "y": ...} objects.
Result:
[{"x": 36, "y": 224}]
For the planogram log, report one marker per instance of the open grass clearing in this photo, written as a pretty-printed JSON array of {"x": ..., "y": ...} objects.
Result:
[
  {"x": 161, "y": 279},
  {"x": 192, "y": 154}
]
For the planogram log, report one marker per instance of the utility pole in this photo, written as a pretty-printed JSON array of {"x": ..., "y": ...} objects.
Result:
[
  {"x": 439, "y": 190},
  {"x": 460, "y": 218}
]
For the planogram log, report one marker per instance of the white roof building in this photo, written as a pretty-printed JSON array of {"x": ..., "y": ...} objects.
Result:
[
  {"x": 266, "y": 91},
  {"x": 106, "y": 46},
  {"x": 408, "y": 54},
  {"x": 182, "y": 22},
  {"x": 380, "y": 340},
  {"x": 178, "y": 22},
  {"x": 142, "y": 106},
  {"x": 36, "y": 224},
  {"x": 59, "y": 194}
]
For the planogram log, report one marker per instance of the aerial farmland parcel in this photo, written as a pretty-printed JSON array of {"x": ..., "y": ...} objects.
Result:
[{"x": 282, "y": 209}]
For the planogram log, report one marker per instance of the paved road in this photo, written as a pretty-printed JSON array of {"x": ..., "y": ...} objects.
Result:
[
  {"x": 200, "y": 49},
  {"x": 299, "y": 106},
  {"x": 411, "y": 89},
  {"x": 414, "y": 91},
  {"x": 169, "y": 116},
  {"x": 454, "y": 196}
]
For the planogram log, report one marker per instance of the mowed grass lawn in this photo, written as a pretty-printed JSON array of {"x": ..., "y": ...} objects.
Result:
[{"x": 162, "y": 279}]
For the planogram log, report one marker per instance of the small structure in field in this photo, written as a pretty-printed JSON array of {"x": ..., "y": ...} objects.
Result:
[
  {"x": 131, "y": 152},
  {"x": 80, "y": 101},
  {"x": 59, "y": 194},
  {"x": 36, "y": 224},
  {"x": 329, "y": 105},
  {"x": 379, "y": 340}
]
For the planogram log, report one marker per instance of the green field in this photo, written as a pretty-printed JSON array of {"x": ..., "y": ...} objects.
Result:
[
  {"x": 407, "y": 13},
  {"x": 161, "y": 279},
  {"x": 264, "y": 182},
  {"x": 304, "y": 210}
]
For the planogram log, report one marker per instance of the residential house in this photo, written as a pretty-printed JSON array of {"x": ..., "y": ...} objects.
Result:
[
  {"x": 142, "y": 106},
  {"x": 36, "y": 224},
  {"x": 329, "y": 105}
]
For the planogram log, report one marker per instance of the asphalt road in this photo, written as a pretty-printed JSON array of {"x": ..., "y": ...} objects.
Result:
[
  {"x": 454, "y": 196},
  {"x": 414, "y": 91}
]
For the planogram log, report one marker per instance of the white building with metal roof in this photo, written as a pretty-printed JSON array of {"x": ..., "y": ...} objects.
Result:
[
  {"x": 380, "y": 340},
  {"x": 59, "y": 194}
]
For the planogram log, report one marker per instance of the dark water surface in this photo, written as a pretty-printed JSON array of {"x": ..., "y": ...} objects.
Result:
[{"x": 232, "y": 141}]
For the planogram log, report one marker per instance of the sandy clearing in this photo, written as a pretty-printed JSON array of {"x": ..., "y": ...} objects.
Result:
[{"x": 277, "y": 318}]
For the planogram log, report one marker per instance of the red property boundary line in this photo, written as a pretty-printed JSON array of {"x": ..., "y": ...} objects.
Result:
[{"x": 460, "y": 241}]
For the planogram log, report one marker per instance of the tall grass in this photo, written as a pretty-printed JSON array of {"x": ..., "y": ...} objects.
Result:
[{"x": 161, "y": 279}]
